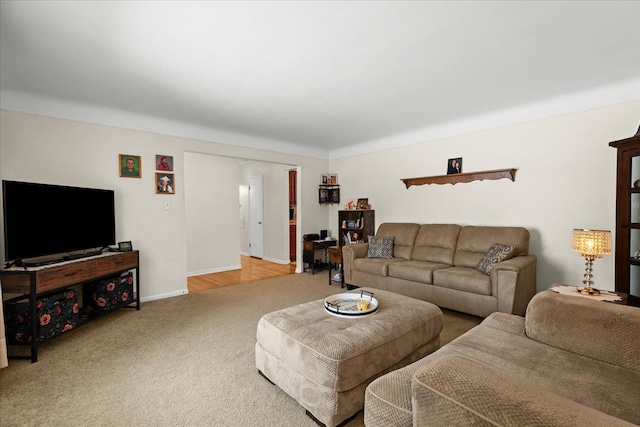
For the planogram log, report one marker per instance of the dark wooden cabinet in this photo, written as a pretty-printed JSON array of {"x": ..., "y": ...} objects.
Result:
[
  {"x": 627, "y": 243},
  {"x": 355, "y": 226},
  {"x": 292, "y": 242},
  {"x": 293, "y": 176}
]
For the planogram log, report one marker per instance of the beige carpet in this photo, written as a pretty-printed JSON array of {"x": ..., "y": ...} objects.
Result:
[{"x": 182, "y": 361}]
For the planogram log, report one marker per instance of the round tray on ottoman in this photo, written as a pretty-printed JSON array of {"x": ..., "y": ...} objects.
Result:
[{"x": 351, "y": 304}]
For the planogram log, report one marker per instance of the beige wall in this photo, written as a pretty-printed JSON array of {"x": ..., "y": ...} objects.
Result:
[
  {"x": 565, "y": 179},
  {"x": 43, "y": 149}
]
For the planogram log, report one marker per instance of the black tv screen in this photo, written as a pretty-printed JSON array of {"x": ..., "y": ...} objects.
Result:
[{"x": 44, "y": 219}]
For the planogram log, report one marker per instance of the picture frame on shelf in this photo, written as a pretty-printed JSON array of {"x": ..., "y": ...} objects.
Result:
[
  {"x": 130, "y": 166},
  {"x": 454, "y": 165},
  {"x": 362, "y": 203},
  {"x": 324, "y": 179},
  {"x": 125, "y": 246},
  {"x": 333, "y": 179}
]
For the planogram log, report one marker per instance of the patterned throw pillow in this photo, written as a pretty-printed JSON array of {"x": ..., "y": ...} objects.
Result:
[
  {"x": 495, "y": 254},
  {"x": 380, "y": 247}
]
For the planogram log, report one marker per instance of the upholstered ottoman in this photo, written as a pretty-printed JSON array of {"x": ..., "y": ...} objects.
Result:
[{"x": 325, "y": 362}]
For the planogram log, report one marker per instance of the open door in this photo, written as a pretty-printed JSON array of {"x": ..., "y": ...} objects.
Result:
[{"x": 256, "y": 216}]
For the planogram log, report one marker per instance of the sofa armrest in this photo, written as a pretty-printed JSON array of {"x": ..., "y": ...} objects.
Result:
[
  {"x": 349, "y": 254},
  {"x": 457, "y": 390},
  {"x": 513, "y": 282},
  {"x": 571, "y": 322}
]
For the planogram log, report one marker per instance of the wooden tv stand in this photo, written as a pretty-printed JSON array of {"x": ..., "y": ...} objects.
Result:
[{"x": 36, "y": 281}]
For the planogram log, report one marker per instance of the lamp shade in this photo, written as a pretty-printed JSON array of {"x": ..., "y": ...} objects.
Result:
[{"x": 592, "y": 243}]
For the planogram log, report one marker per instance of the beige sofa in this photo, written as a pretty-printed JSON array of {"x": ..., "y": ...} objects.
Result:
[
  {"x": 571, "y": 361},
  {"x": 437, "y": 263}
]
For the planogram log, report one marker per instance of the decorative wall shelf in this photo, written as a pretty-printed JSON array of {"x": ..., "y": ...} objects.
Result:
[{"x": 462, "y": 177}]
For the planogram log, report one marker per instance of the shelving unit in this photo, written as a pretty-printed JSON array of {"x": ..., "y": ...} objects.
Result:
[
  {"x": 356, "y": 225},
  {"x": 627, "y": 266},
  {"x": 329, "y": 194},
  {"x": 462, "y": 177}
]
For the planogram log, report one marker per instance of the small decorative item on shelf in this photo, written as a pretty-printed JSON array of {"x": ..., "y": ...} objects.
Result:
[
  {"x": 349, "y": 206},
  {"x": 636, "y": 183},
  {"x": 637, "y": 254}
]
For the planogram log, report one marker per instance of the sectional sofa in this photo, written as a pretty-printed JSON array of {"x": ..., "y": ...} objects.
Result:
[
  {"x": 571, "y": 361},
  {"x": 473, "y": 269}
]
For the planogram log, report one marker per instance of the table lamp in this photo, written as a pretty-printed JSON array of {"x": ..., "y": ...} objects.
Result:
[{"x": 591, "y": 244}]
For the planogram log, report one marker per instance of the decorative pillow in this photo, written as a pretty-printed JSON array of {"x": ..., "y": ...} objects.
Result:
[
  {"x": 380, "y": 247},
  {"x": 495, "y": 254}
]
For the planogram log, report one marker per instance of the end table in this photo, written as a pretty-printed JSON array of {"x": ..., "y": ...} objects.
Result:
[{"x": 335, "y": 259}]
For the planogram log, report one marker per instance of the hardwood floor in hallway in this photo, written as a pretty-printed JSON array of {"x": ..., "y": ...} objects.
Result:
[{"x": 252, "y": 269}]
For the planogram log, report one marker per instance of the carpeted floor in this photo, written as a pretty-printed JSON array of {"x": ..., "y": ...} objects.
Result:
[{"x": 182, "y": 361}]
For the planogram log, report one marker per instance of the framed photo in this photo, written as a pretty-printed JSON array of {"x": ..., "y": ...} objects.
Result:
[
  {"x": 362, "y": 203},
  {"x": 323, "y": 196},
  {"x": 334, "y": 195},
  {"x": 324, "y": 178},
  {"x": 130, "y": 166},
  {"x": 164, "y": 163},
  {"x": 125, "y": 246},
  {"x": 454, "y": 165},
  {"x": 333, "y": 179},
  {"x": 165, "y": 183}
]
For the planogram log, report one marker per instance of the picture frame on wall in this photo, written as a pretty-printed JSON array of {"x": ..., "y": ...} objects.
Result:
[
  {"x": 323, "y": 195},
  {"x": 165, "y": 183},
  {"x": 454, "y": 165},
  {"x": 130, "y": 166},
  {"x": 164, "y": 163}
]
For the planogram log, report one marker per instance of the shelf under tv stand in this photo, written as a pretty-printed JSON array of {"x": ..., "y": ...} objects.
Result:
[{"x": 36, "y": 281}]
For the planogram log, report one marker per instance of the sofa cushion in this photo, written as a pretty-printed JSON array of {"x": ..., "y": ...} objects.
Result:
[
  {"x": 463, "y": 279},
  {"x": 380, "y": 247},
  {"x": 436, "y": 243},
  {"x": 496, "y": 254},
  {"x": 404, "y": 237},
  {"x": 416, "y": 271},
  {"x": 474, "y": 242},
  {"x": 375, "y": 266}
]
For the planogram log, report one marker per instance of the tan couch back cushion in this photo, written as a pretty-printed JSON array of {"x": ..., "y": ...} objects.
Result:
[
  {"x": 595, "y": 329},
  {"x": 404, "y": 234},
  {"x": 475, "y": 241},
  {"x": 436, "y": 243}
]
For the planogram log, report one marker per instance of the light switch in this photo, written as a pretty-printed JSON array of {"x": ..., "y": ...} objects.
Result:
[{"x": 167, "y": 205}]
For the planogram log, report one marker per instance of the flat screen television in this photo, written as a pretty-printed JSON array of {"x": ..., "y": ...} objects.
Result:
[{"x": 43, "y": 219}]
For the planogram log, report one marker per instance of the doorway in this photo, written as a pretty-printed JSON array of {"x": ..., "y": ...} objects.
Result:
[{"x": 256, "y": 217}]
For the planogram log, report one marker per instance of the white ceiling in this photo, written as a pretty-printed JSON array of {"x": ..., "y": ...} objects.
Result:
[{"x": 316, "y": 77}]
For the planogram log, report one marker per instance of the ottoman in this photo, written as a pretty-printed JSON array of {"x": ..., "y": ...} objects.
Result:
[{"x": 325, "y": 362}]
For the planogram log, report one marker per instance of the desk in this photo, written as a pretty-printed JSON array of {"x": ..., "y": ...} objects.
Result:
[{"x": 309, "y": 249}]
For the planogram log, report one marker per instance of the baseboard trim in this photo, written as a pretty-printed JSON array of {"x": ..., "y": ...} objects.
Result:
[
  {"x": 163, "y": 296},
  {"x": 214, "y": 270}
]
